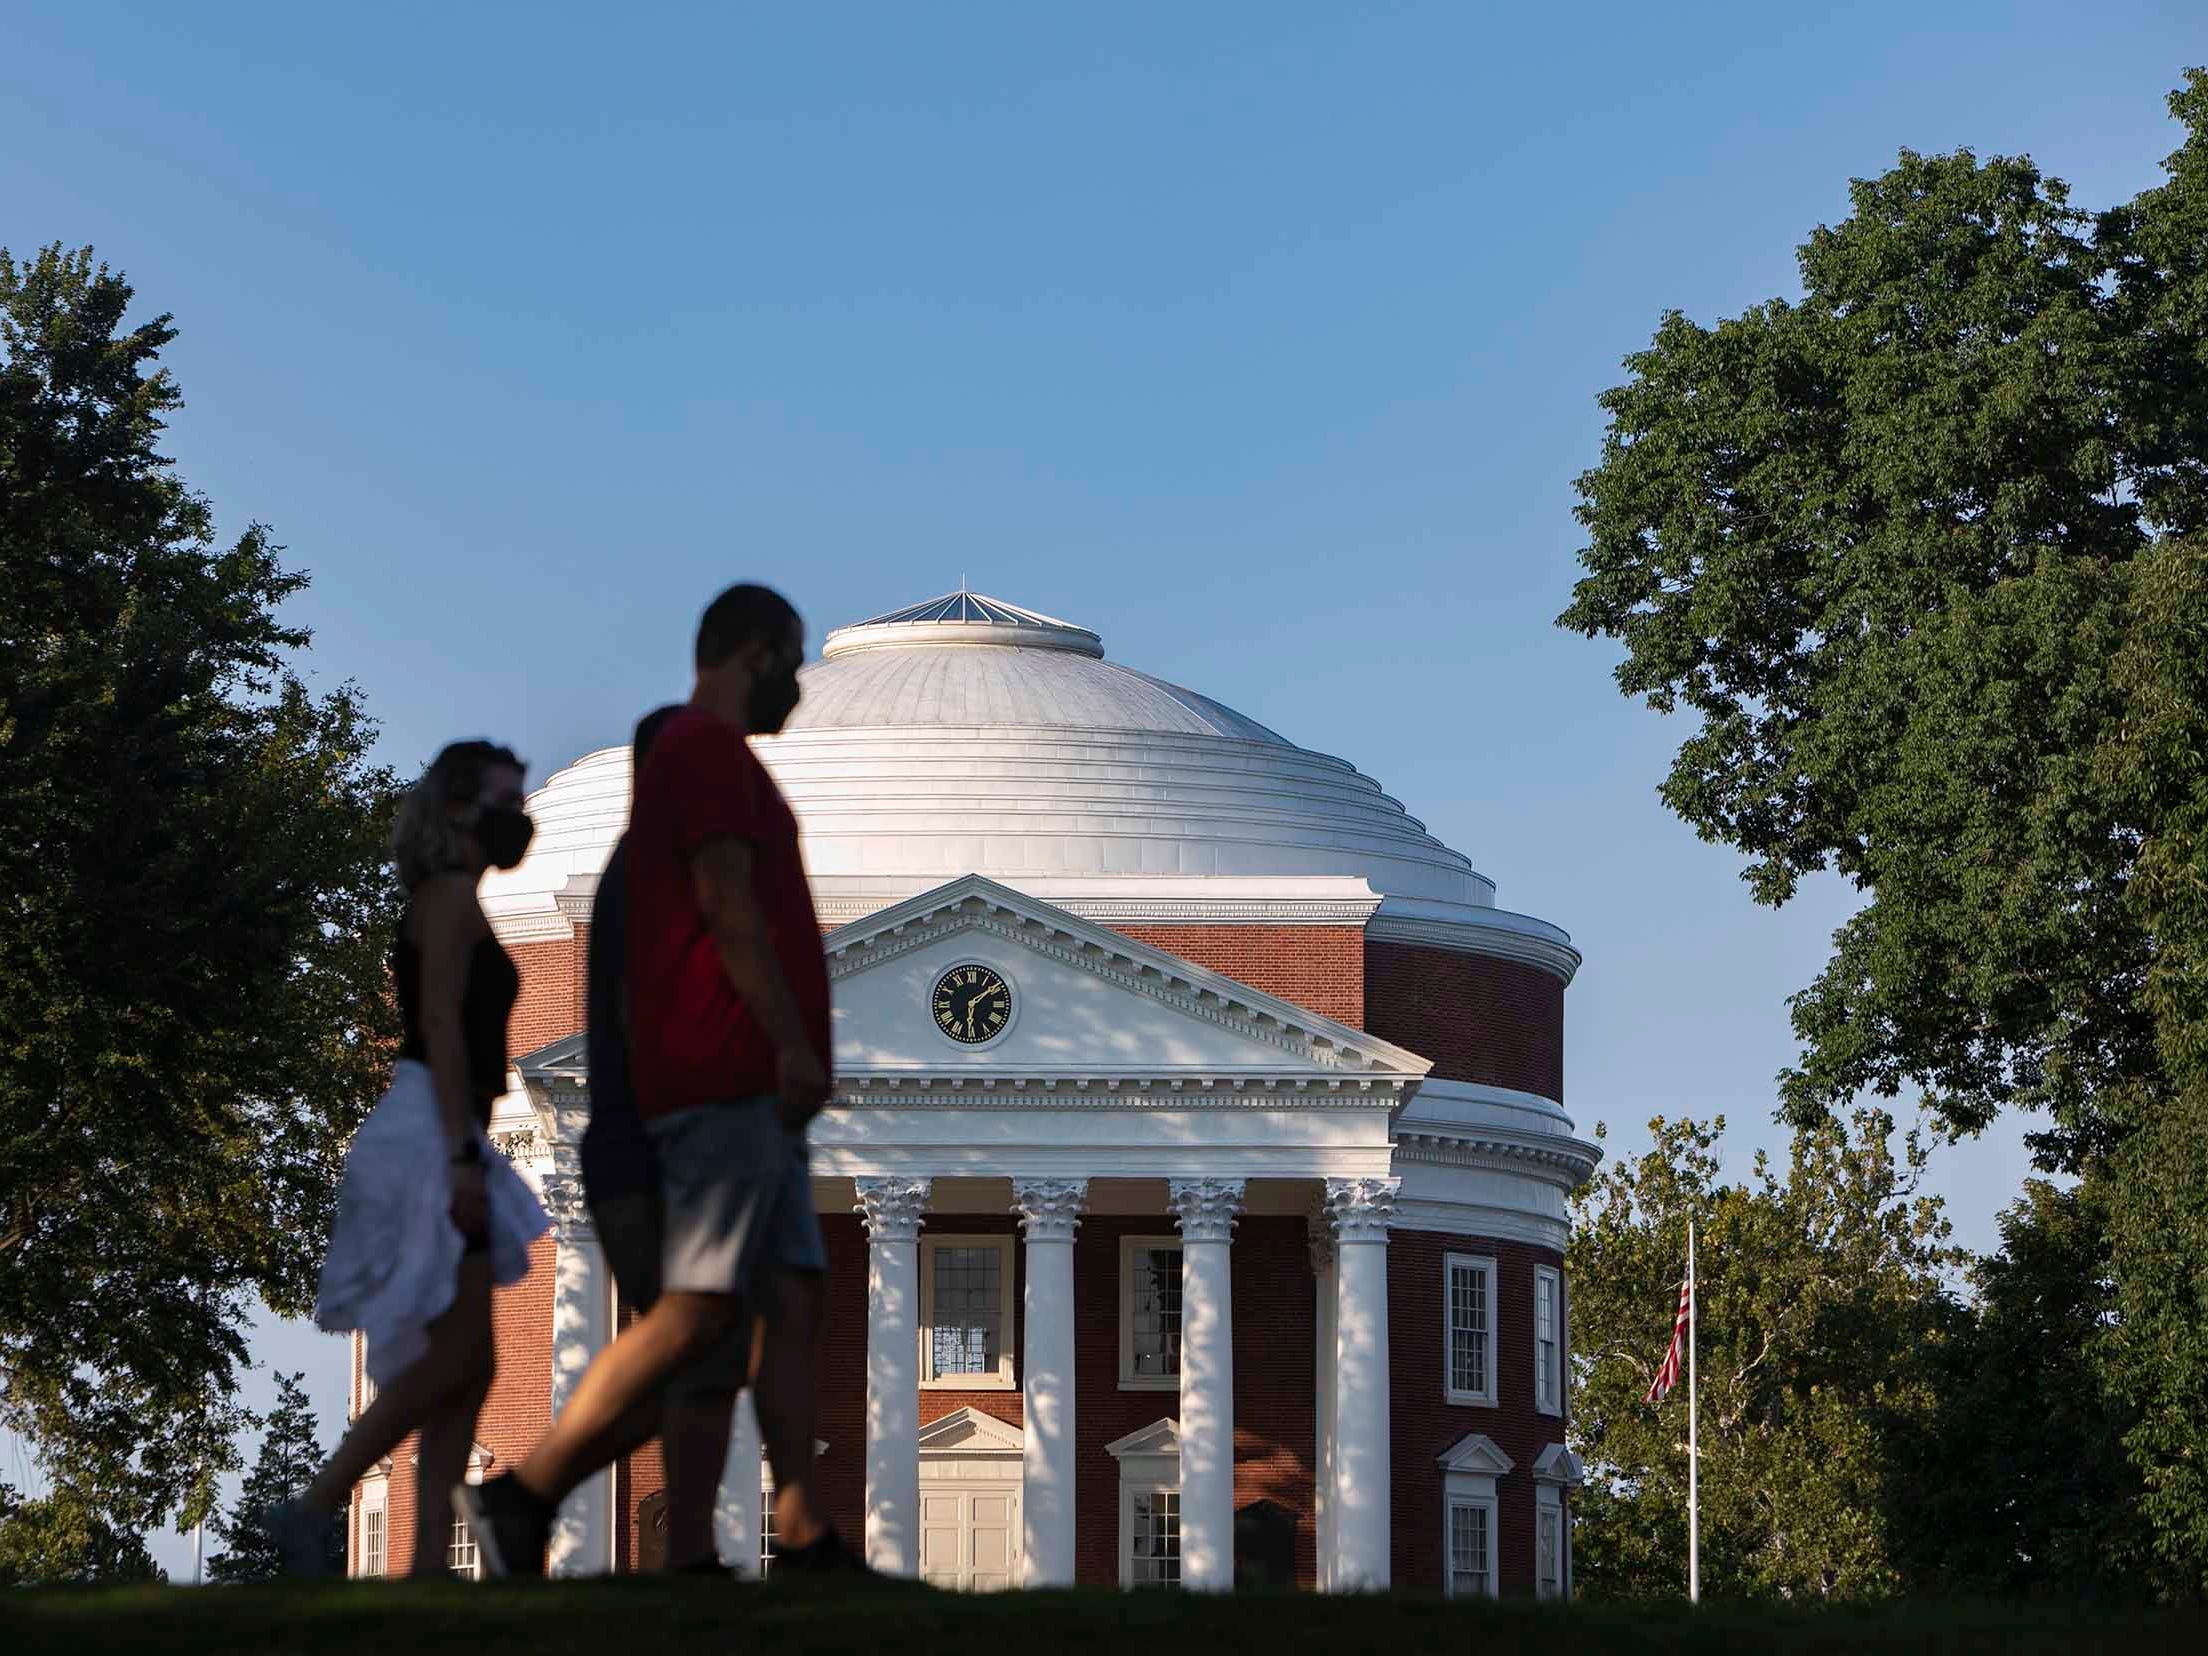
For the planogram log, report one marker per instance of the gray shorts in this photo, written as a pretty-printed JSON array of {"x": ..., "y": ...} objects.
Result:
[
  {"x": 632, "y": 1231},
  {"x": 739, "y": 1201}
]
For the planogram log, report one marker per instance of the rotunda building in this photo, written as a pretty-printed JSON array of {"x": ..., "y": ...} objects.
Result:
[{"x": 1195, "y": 1185}]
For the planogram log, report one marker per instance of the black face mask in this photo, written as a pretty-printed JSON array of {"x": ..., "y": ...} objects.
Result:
[
  {"x": 772, "y": 702},
  {"x": 504, "y": 832}
]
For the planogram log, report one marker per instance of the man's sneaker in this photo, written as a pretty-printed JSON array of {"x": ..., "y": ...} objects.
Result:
[
  {"x": 511, "y": 1526},
  {"x": 827, "y": 1556},
  {"x": 304, "y": 1538}
]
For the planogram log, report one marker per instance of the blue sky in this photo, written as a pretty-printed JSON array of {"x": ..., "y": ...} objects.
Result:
[{"x": 1264, "y": 339}]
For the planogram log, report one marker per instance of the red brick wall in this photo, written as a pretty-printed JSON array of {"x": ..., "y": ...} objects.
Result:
[
  {"x": 552, "y": 990},
  {"x": 1499, "y": 1022},
  {"x": 518, "y": 1409},
  {"x": 1275, "y": 1398},
  {"x": 1319, "y": 968},
  {"x": 1426, "y": 1426}
]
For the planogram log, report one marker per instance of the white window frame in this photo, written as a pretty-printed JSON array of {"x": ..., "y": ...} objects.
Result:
[
  {"x": 1450, "y": 1265},
  {"x": 1129, "y": 1380},
  {"x": 1127, "y": 1494},
  {"x": 458, "y": 1537},
  {"x": 1149, "y": 1464},
  {"x": 374, "y": 1563},
  {"x": 1548, "y": 1504},
  {"x": 1549, "y": 1379},
  {"x": 1452, "y": 1515},
  {"x": 1001, "y": 1380},
  {"x": 1472, "y": 1473},
  {"x": 1556, "y": 1473}
]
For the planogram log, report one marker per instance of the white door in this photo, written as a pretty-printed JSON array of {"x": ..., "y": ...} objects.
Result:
[{"x": 970, "y": 1538}]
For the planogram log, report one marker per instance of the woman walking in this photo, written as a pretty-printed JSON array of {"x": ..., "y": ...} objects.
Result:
[{"x": 428, "y": 1215}]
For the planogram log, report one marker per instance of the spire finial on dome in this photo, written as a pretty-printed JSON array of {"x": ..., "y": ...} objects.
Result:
[{"x": 965, "y": 617}]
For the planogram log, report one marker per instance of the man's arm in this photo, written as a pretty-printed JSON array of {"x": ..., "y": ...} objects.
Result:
[{"x": 720, "y": 872}]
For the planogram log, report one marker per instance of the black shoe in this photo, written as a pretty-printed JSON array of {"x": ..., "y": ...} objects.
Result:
[
  {"x": 712, "y": 1569},
  {"x": 826, "y": 1556},
  {"x": 511, "y": 1526}
]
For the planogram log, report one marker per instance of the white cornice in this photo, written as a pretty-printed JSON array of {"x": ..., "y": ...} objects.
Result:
[
  {"x": 1070, "y": 1090},
  {"x": 530, "y": 925},
  {"x": 1563, "y": 1161},
  {"x": 1464, "y": 928}
]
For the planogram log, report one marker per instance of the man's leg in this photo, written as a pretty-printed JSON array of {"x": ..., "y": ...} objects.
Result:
[
  {"x": 787, "y": 1399},
  {"x": 599, "y": 1421},
  {"x": 695, "y": 1438}
]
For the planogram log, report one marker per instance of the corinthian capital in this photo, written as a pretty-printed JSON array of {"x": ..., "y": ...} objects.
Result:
[
  {"x": 892, "y": 1207},
  {"x": 1205, "y": 1207},
  {"x": 1361, "y": 1209},
  {"x": 1049, "y": 1209},
  {"x": 563, "y": 1200}
]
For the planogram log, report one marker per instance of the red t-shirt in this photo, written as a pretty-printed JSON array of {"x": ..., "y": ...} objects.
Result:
[{"x": 692, "y": 1041}]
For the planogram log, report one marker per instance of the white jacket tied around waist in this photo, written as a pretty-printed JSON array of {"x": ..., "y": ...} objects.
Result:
[{"x": 394, "y": 1254}]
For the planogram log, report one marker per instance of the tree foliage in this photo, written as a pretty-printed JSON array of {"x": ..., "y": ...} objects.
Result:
[
  {"x": 192, "y": 914},
  {"x": 288, "y": 1460},
  {"x": 1821, "y": 1297},
  {"x": 62, "y": 1540},
  {"x": 1919, "y": 551}
]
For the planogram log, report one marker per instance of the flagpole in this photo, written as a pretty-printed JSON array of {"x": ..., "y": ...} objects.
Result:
[{"x": 1694, "y": 1437}]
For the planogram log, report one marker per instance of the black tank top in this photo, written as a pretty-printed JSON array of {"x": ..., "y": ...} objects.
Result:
[{"x": 485, "y": 1003}]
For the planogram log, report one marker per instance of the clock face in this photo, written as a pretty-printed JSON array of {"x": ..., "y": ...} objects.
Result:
[{"x": 972, "y": 1004}]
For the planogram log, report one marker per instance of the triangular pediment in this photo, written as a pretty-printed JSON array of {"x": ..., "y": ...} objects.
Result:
[
  {"x": 1477, "y": 1454},
  {"x": 1558, "y": 1465},
  {"x": 968, "y": 1431},
  {"x": 1086, "y": 1003},
  {"x": 1160, "y": 1437}
]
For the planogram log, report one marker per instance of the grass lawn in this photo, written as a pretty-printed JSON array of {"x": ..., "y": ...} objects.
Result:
[{"x": 637, "y": 1617}]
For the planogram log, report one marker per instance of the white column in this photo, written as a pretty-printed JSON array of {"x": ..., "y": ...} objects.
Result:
[
  {"x": 1050, "y": 1212},
  {"x": 736, "y": 1507},
  {"x": 1363, "y": 1488},
  {"x": 1322, "y": 1273},
  {"x": 892, "y": 1208},
  {"x": 582, "y": 1322},
  {"x": 1206, "y": 1210}
]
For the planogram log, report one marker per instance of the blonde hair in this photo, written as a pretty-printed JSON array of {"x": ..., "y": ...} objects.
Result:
[{"x": 424, "y": 838}]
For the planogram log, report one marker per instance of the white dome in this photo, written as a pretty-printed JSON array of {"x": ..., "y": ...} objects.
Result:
[{"x": 968, "y": 735}]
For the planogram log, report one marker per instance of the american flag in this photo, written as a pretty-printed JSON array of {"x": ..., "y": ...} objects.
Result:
[{"x": 1667, "y": 1372}]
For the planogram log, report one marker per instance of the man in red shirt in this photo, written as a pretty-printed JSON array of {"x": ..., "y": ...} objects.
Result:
[{"x": 728, "y": 1032}]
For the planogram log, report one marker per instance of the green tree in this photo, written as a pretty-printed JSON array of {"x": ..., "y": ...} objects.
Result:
[
  {"x": 1821, "y": 1301},
  {"x": 2017, "y": 1484},
  {"x": 62, "y": 1540},
  {"x": 1915, "y": 550},
  {"x": 193, "y": 910},
  {"x": 289, "y": 1458}
]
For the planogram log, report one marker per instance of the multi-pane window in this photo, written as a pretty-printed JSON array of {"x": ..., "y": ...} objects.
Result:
[
  {"x": 1155, "y": 1558},
  {"x": 766, "y": 1532},
  {"x": 1469, "y": 1350},
  {"x": 1548, "y": 1340},
  {"x": 461, "y": 1556},
  {"x": 1548, "y": 1552},
  {"x": 1150, "y": 1312},
  {"x": 966, "y": 1289},
  {"x": 375, "y": 1552},
  {"x": 1471, "y": 1565}
]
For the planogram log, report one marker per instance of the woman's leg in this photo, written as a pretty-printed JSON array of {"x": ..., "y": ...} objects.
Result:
[
  {"x": 447, "y": 1436},
  {"x": 458, "y": 1360}
]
